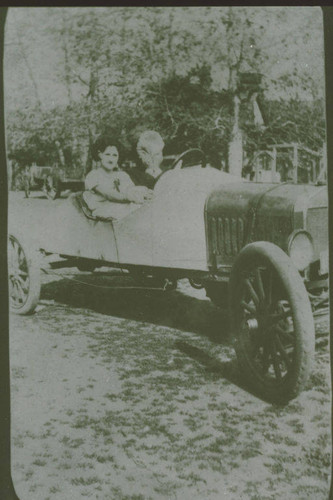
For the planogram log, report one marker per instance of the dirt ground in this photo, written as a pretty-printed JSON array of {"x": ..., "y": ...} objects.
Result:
[{"x": 130, "y": 394}]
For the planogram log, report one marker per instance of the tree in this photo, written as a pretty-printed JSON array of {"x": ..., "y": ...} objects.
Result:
[{"x": 177, "y": 70}]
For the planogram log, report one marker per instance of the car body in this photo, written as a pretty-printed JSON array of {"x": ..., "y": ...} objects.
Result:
[
  {"x": 198, "y": 221},
  {"x": 166, "y": 232},
  {"x": 51, "y": 179},
  {"x": 256, "y": 248},
  {"x": 243, "y": 213}
]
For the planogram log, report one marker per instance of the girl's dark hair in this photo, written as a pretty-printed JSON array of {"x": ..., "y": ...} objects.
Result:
[{"x": 100, "y": 145}]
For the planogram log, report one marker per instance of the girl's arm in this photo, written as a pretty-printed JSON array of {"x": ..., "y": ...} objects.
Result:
[
  {"x": 109, "y": 189},
  {"x": 122, "y": 190},
  {"x": 111, "y": 194}
]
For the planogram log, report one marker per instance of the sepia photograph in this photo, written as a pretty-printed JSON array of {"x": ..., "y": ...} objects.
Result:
[{"x": 168, "y": 264}]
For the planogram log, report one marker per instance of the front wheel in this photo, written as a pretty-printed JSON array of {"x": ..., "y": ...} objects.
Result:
[
  {"x": 24, "y": 277},
  {"x": 272, "y": 322}
]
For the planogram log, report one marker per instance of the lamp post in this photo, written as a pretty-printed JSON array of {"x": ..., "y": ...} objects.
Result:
[{"x": 248, "y": 86}]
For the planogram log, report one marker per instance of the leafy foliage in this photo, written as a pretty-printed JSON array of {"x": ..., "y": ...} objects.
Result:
[{"x": 85, "y": 71}]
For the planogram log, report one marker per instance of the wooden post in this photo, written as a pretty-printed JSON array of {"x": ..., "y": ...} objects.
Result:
[
  {"x": 274, "y": 173},
  {"x": 295, "y": 163},
  {"x": 313, "y": 169},
  {"x": 10, "y": 174},
  {"x": 60, "y": 154},
  {"x": 235, "y": 156}
]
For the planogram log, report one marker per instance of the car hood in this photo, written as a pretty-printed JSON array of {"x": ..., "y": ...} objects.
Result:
[
  {"x": 272, "y": 197},
  {"x": 244, "y": 212}
]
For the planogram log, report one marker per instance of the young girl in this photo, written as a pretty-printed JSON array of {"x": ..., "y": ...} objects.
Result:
[{"x": 108, "y": 184}]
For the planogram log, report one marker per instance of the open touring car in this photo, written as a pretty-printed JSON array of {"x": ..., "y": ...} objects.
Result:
[{"x": 259, "y": 249}]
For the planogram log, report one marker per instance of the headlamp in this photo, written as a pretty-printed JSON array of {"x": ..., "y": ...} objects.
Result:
[{"x": 300, "y": 249}]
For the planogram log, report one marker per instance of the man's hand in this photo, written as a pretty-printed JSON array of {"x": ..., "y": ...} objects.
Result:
[
  {"x": 139, "y": 194},
  {"x": 148, "y": 194}
]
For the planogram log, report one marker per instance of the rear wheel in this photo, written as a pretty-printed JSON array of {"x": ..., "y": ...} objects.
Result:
[
  {"x": 272, "y": 322},
  {"x": 24, "y": 277},
  {"x": 196, "y": 284}
]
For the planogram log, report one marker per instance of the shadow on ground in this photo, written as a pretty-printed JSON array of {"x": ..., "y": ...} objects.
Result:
[
  {"x": 227, "y": 370},
  {"x": 172, "y": 309}
]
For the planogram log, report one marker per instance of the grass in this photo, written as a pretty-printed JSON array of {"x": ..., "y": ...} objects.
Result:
[
  {"x": 18, "y": 372},
  {"x": 310, "y": 491},
  {"x": 29, "y": 474},
  {"x": 54, "y": 489},
  {"x": 105, "y": 458},
  {"x": 251, "y": 450},
  {"x": 64, "y": 466},
  {"x": 319, "y": 381},
  {"x": 290, "y": 441},
  {"x": 318, "y": 459},
  {"x": 82, "y": 422},
  {"x": 296, "y": 425},
  {"x": 160, "y": 416},
  {"x": 84, "y": 481}
]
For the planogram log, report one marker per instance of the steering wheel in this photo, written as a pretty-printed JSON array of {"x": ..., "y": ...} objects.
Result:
[
  {"x": 180, "y": 158},
  {"x": 174, "y": 166}
]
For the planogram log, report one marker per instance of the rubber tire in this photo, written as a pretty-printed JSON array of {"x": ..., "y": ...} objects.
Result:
[
  {"x": 195, "y": 285},
  {"x": 33, "y": 265},
  {"x": 295, "y": 380}
]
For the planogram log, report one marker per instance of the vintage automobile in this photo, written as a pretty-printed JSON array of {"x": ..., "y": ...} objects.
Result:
[
  {"x": 260, "y": 249},
  {"x": 51, "y": 179}
]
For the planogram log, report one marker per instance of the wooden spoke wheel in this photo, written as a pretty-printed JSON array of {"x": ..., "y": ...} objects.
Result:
[
  {"x": 52, "y": 187},
  {"x": 272, "y": 322},
  {"x": 24, "y": 277}
]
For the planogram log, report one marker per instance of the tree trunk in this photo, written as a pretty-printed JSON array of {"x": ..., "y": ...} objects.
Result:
[
  {"x": 91, "y": 97},
  {"x": 235, "y": 150},
  {"x": 27, "y": 63},
  {"x": 235, "y": 153},
  {"x": 88, "y": 166},
  {"x": 66, "y": 59},
  {"x": 60, "y": 154}
]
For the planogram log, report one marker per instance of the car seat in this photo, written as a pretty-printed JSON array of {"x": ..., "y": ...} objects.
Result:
[{"x": 78, "y": 201}]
